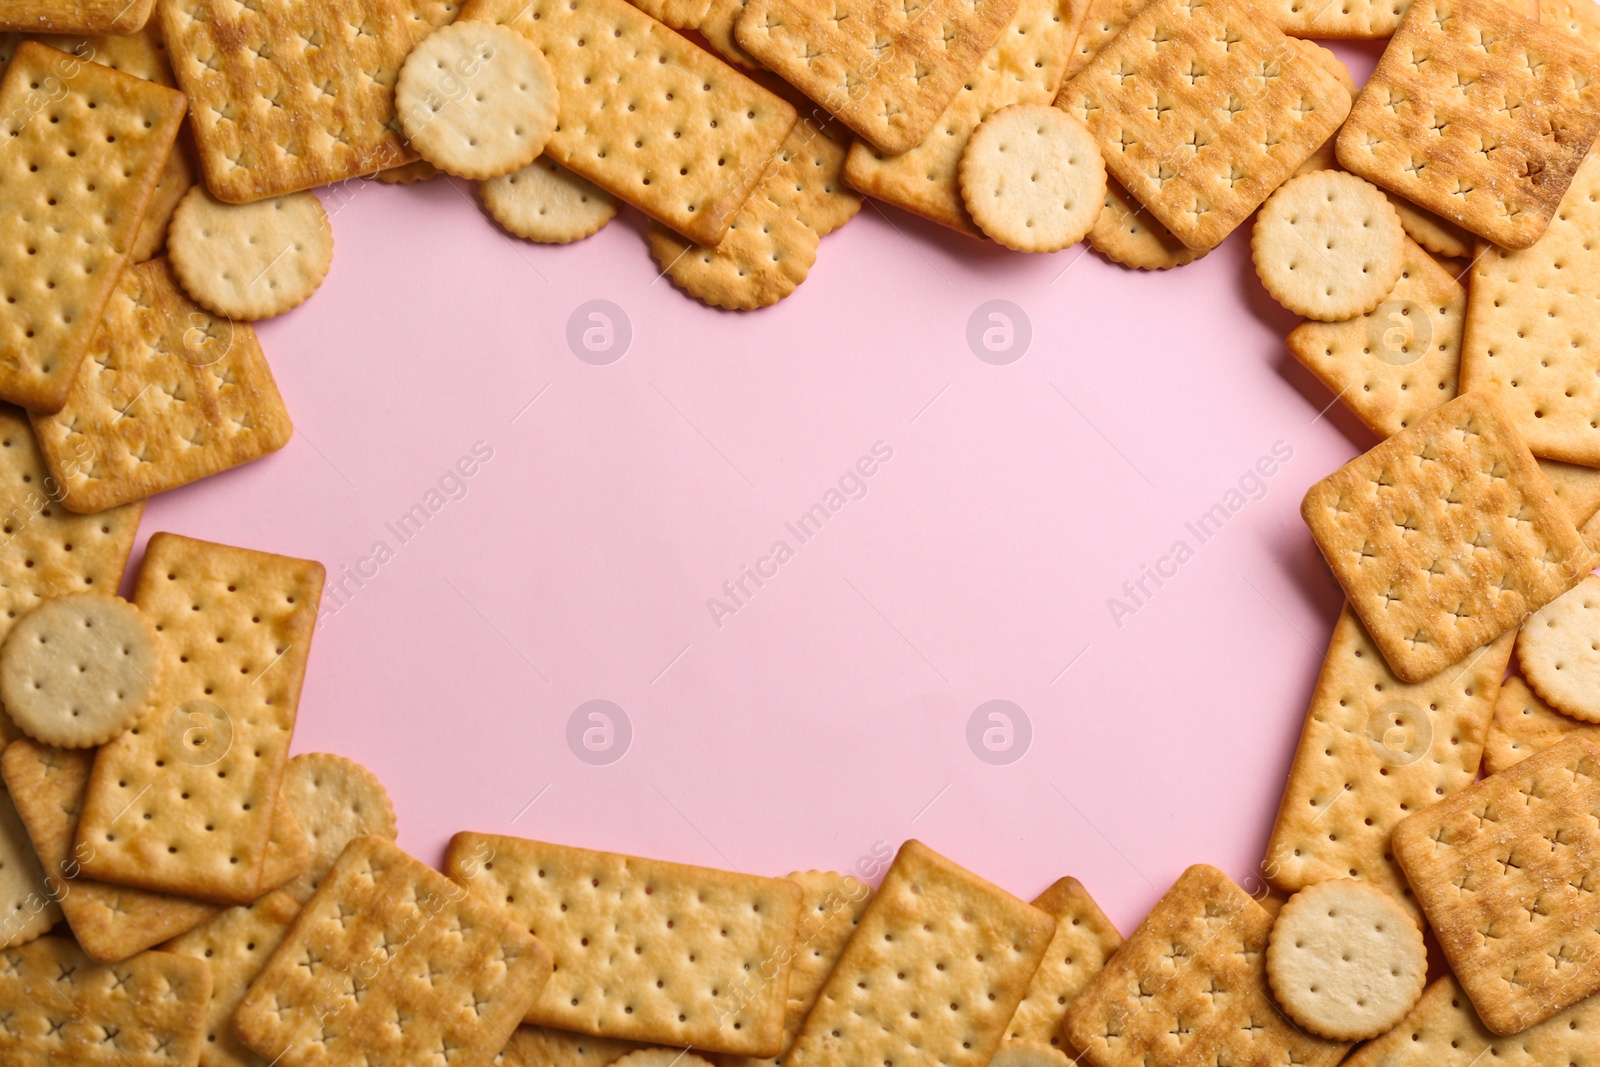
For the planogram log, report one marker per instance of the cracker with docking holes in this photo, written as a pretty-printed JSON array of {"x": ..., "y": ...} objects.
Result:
[
  {"x": 114, "y": 17},
  {"x": 1032, "y": 178},
  {"x": 334, "y": 801},
  {"x": 1558, "y": 649},
  {"x": 679, "y": 14},
  {"x": 391, "y": 961},
  {"x": 250, "y": 261},
  {"x": 1373, "y": 750},
  {"x": 1102, "y": 21},
  {"x": 29, "y": 905},
  {"x": 1124, "y": 232},
  {"x": 87, "y": 202},
  {"x": 1575, "y": 17},
  {"x": 1445, "y": 536},
  {"x": 1399, "y": 361},
  {"x": 940, "y": 949},
  {"x": 1189, "y": 988},
  {"x": 169, "y": 394},
  {"x": 1479, "y": 115},
  {"x": 1328, "y": 245},
  {"x": 1504, "y": 872},
  {"x": 544, "y": 1046},
  {"x": 1201, "y": 109},
  {"x": 179, "y": 176},
  {"x": 186, "y": 803},
  {"x": 1083, "y": 941},
  {"x": 667, "y": 127},
  {"x": 1439, "y": 236},
  {"x": 1524, "y": 725},
  {"x": 546, "y": 202},
  {"x": 63, "y": 1008},
  {"x": 1370, "y": 19},
  {"x": 717, "y": 28},
  {"x": 1029, "y": 1054},
  {"x": 622, "y": 922},
  {"x": 1575, "y": 486}
]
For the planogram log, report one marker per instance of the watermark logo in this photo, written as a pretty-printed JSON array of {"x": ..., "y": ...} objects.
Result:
[
  {"x": 1399, "y": 332},
  {"x": 599, "y": 732},
  {"x": 599, "y": 332},
  {"x": 1400, "y": 732},
  {"x": 999, "y": 732},
  {"x": 199, "y": 733},
  {"x": 999, "y": 332}
]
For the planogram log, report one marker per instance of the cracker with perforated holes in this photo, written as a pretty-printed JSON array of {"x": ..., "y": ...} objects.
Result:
[
  {"x": 1124, "y": 232},
  {"x": 1328, "y": 245},
  {"x": 29, "y": 906},
  {"x": 545, "y": 1046},
  {"x": 77, "y": 17},
  {"x": 1084, "y": 940},
  {"x": 1505, "y": 873},
  {"x": 1575, "y": 486},
  {"x": 1032, "y": 178},
  {"x": 940, "y": 950},
  {"x": 77, "y": 206},
  {"x": 1102, "y": 21},
  {"x": 290, "y": 96},
  {"x": 546, "y": 202},
  {"x": 1445, "y": 536},
  {"x": 1558, "y": 649},
  {"x": 668, "y": 127},
  {"x": 627, "y": 923},
  {"x": 1524, "y": 725},
  {"x": 1201, "y": 109},
  {"x": 1399, "y": 361},
  {"x": 184, "y": 802},
  {"x": 177, "y": 178},
  {"x": 679, "y": 14},
  {"x": 235, "y": 947},
  {"x": 1189, "y": 989},
  {"x": 169, "y": 394},
  {"x": 1531, "y": 326},
  {"x": 1576, "y": 17},
  {"x": 1023, "y": 66},
  {"x": 249, "y": 261},
  {"x": 1477, "y": 114},
  {"x": 1439, "y": 236},
  {"x": 392, "y": 961},
  {"x": 716, "y": 26},
  {"x": 63, "y": 1008},
  {"x": 334, "y": 801}
]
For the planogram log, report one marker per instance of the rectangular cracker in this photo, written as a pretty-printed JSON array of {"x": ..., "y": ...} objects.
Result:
[
  {"x": 648, "y": 129},
  {"x": 1024, "y": 65},
  {"x": 679, "y": 14},
  {"x": 62, "y": 1008},
  {"x": 1445, "y": 536},
  {"x": 287, "y": 96},
  {"x": 1576, "y": 487},
  {"x": 1531, "y": 326},
  {"x": 1189, "y": 989},
  {"x": 1479, "y": 115},
  {"x": 1505, "y": 873},
  {"x": 1201, "y": 109},
  {"x": 1523, "y": 725},
  {"x": 29, "y": 903},
  {"x": 885, "y": 69},
  {"x": 595, "y": 911},
  {"x": 163, "y": 811},
  {"x": 1580, "y": 18},
  {"x": 1373, "y": 750},
  {"x": 1084, "y": 940},
  {"x": 75, "y": 16},
  {"x": 77, "y": 206},
  {"x": 169, "y": 394},
  {"x": 1102, "y": 21},
  {"x": 391, "y": 962},
  {"x": 934, "y": 973},
  {"x": 545, "y": 1046}
]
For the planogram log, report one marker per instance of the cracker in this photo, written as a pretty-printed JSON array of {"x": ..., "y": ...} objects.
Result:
[
  {"x": 183, "y": 803},
  {"x": 1032, "y": 178},
  {"x": 1523, "y": 725},
  {"x": 390, "y": 961},
  {"x": 716, "y": 26},
  {"x": 1328, "y": 61},
  {"x": 1189, "y": 989},
  {"x": 77, "y": 17},
  {"x": 1439, "y": 236},
  {"x": 1102, "y": 21},
  {"x": 546, "y": 202},
  {"x": 63, "y": 1008},
  {"x": 936, "y": 969},
  {"x": 1445, "y": 536},
  {"x": 334, "y": 801},
  {"x": 1328, "y": 245},
  {"x": 679, "y": 14},
  {"x": 1373, "y": 750},
  {"x": 250, "y": 261},
  {"x": 1083, "y": 941},
  {"x": 1029, "y": 1054},
  {"x": 1575, "y": 17},
  {"x": 1531, "y": 324},
  {"x": 1576, "y": 487},
  {"x": 596, "y": 912},
  {"x": 77, "y": 207},
  {"x": 1023, "y": 66},
  {"x": 235, "y": 946},
  {"x": 1558, "y": 649},
  {"x": 170, "y": 394},
  {"x": 177, "y": 178},
  {"x": 1201, "y": 109},
  {"x": 1124, "y": 232},
  {"x": 1345, "y": 960},
  {"x": 28, "y": 905},
  {"x": 1399, "y": 361},
  {"x": 79, "y": 669},
  {"x": 543, "y": 1046},
  {"x": 408, "y": 173},
  {"x": 1477, "y": 114}
]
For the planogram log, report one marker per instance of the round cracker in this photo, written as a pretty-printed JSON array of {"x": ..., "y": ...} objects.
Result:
[
  {"x": 1328, "y": 245},
  {"x": 1346, "y": 960},
  {"x": 546, "y": 202},
  {"x": 1124, "y": 232},
  {"x": 476, "y": 100},
  {"x": 335, "y": 800},
  {"x": 78, "y": 670},
  {"x": 249, "y": 261},
  {"x": 1032, "y": 178},
  {"x": 1558, "y": 648}
]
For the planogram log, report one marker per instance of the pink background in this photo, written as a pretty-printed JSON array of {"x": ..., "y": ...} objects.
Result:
[{"x": 829, "y": 714}]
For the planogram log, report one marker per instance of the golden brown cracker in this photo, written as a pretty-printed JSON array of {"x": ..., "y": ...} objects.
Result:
[
  {"x": 76, "y": 17},
  {"x": 1523, "y": 724},
  {"x": 334, "y": 801},
  {"x": 1084, "y": 940}
]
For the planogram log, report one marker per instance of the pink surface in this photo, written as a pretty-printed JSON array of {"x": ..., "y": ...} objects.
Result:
[{"x": 827, "y": 718}]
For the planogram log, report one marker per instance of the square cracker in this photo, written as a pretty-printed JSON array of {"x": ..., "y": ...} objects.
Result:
[
  {"x": 934, "y": 972},
  {"x": 1373, "y": 750},
  {"x": 183, "y": 803},
  {"x": 1505, "y": 874},
  {"x": 76, "y": 16},
  {"x": 1523, "y": 725},
  {"x": 885, "y": 69},
  {"x": 1533, "y": 327},
  {"x": 1477, "y": 114},
  {"x": 617, "y": 922},
  {"x": 1189, "y": 989},
  {"x": 1084, "y": 940},
  {"x": 1201, "y": 109},
  {"x": 667, "y": 127},
  {"x": 392, "y": 962},
  {"x": 1445, "y": 536},
  {"x": 169, "y": 394},
  {"x": 288, "y": 95},
  {"x": 87, "y": 147}
]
